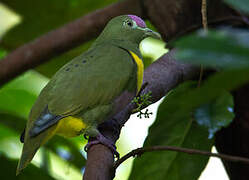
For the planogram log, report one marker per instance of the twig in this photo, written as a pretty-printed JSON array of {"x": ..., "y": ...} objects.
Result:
[
  {"x": 204, "y": 14},
  {"x": 140, "y": 151},
  {"x": 205, "y": 27},
  {"x": 200, "y": 76}
]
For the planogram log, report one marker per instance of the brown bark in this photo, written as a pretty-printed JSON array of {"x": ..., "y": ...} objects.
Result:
[{"x": 173, "y": 18}]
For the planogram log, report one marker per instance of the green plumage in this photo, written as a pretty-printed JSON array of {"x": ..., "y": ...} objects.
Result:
[{"x": 88, "y": 87}]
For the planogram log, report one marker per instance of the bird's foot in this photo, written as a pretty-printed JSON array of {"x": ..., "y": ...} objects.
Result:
[{"x": 100, "y": 139}]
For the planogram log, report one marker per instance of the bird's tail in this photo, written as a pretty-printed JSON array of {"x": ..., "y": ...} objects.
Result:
[{"x": 31, "y": 145}]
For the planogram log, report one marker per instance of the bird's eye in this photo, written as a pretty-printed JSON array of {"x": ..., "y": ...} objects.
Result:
[{"x": 129, "y": 24}]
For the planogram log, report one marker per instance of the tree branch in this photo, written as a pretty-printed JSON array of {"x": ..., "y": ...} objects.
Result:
[
  {"x": 161, "y": 76},
  {"x": 60, "y": 40},
  {"x": 141, "y": 151}
]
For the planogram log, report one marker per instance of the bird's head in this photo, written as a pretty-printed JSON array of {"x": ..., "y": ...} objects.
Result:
[{"x": 128, "y": 28}]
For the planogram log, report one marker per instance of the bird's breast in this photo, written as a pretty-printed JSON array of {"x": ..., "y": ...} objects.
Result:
[{"x": 140, "y": 69}]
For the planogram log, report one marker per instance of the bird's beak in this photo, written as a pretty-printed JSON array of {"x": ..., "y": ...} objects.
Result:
[{"x": 153, "y": 34}]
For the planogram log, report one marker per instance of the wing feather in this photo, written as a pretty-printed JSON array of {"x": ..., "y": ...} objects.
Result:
[{"x": 78, "y": 86}]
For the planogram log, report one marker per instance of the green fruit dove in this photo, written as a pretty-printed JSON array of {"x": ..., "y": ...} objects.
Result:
[{"x": 88, "y": 90}]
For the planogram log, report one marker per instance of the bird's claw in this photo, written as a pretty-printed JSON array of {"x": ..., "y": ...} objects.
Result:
[{"x": 100, "y": 139}]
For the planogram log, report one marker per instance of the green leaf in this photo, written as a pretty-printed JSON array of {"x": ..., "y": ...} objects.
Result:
[
  {"x": 43, "y": 16},
  {"x": 8, "y": 171},
  {"x": 173, "y": 129},
  {"x": 147, "y": 61},
  {"x": 12, "y": 122},
  {"x": 16, "y": 102},
  {"x": 223, "y": 49},
  {"x": 3, "y": 53},
  {"x": 217, "y": 114},
  {"x": 242, "y": 5},
  {"x": 6, "y": 132},
  {"x": 17, "y": 98},
  {"x": 173, "y": 125}
]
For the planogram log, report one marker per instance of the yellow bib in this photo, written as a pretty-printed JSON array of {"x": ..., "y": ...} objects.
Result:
[{"x": 140, "y": 70}]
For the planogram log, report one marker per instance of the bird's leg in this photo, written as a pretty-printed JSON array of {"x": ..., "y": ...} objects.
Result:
[
  {"x": 100, "y": 139},
  {"x": 111, "y": 125}
]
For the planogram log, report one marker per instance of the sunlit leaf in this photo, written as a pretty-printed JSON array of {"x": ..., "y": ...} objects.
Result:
[
  {"x": 31, "y": 81},
  {"x": 242, "y": 5},
  {"x": 223, "y": 49},
  {"x": 174, "y": 130},
  {"x": 177, "y": 110},
  {"x": 17, "y": 102}
]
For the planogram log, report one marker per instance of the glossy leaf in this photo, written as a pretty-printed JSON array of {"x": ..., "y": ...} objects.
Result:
[
  {"x": 174, "y": 127},
  {"x": 242, "y": 5},
  {"x": 176, "y": 117},
  {"x": 223, "y": 49},
  {"x": 216, "y": 114}
]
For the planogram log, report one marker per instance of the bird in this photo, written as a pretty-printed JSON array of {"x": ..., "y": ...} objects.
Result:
[{"x": 88, "y": 90}]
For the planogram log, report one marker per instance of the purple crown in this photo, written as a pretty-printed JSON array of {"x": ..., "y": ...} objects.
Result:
[{"x": 138, "y": 20}]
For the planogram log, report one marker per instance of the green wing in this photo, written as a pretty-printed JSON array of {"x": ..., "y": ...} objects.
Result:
[{"x": 92, "y": 79}]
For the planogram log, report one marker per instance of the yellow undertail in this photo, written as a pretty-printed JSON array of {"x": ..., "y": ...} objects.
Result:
[{"x": 70, "y": 127}]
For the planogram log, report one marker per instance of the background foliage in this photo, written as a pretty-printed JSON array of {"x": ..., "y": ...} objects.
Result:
[{"x": 187, "y": 117}]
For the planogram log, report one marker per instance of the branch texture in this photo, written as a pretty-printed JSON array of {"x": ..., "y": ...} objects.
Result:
[
  {"x": 141, "y": 151},
  {"x": 161, "y": 76}
]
